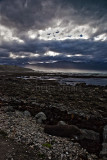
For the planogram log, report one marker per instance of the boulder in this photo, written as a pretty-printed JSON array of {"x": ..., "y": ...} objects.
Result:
[
  {"x": 27, "y": 113},
  {"x": 61, "y": 123},
  {"x": 103, "y": 153},
  {"x": 40, "y": 117},
  {"x": 90, "y": 135},
  {"x": 69, "y": 131}
]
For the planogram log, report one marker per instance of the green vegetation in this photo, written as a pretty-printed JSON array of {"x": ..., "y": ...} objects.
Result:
[{"x": 48, "y": 145}]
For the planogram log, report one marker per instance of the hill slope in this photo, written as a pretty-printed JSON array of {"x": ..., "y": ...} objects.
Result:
[{"x": 12, "y": 68}]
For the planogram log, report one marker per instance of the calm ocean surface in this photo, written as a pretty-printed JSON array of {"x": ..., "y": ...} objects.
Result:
[
  {"x": 88, "y": 81},
  {"x": 73, "y": 81}
]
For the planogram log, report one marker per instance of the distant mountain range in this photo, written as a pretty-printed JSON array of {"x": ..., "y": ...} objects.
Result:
[
  {"x": 63, "y": 65},
  {"x": 13, "y": 68},
  {"x": 98, "y": 66}
]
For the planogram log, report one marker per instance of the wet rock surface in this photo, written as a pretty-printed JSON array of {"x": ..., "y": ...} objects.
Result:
[{"x": 84, "y": 106}]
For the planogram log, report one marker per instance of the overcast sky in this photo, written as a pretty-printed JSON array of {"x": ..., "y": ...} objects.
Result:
[{"x": 34, "y": 31}]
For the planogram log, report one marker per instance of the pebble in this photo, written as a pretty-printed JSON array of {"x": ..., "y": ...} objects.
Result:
[{"x": 27, "y": 131}]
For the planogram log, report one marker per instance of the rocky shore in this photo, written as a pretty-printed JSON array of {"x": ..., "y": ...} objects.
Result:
[
  {"x": 25, "y": 130},
  {"x": 83, "y": 106}
]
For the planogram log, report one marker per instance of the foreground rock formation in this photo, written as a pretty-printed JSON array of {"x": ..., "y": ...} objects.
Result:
[
  {"x": 25, "y": 130},
  {"x": 83, "y": 108}
]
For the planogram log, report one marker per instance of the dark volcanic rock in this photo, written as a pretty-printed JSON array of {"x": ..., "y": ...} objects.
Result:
[
  {"x": 103, "y": 153},
  {"x": 90, "y": 140},
  {"x": 63, "y": 130},
  {"x": 89, "y": 134}
]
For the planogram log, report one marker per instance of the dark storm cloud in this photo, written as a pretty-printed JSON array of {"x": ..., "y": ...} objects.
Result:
[
  {"x": 26, "y": 14},
  {"x": 38, "y": 14},
  {"x": 83, "y": 50},
  {"x": 20, "y": 16}
]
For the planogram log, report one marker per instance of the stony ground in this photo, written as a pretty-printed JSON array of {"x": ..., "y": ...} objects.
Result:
[
  {"x": 24, "y": 130},
  {"x": 10, "y": 150},
  {"x": 83, "y": 106}
]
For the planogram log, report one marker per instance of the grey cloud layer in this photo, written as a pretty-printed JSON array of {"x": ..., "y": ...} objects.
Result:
[
  {"x": 88, "y": 50},
  {"x": 25, "y": 15},
  {"x": 39, "y": 14}
]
